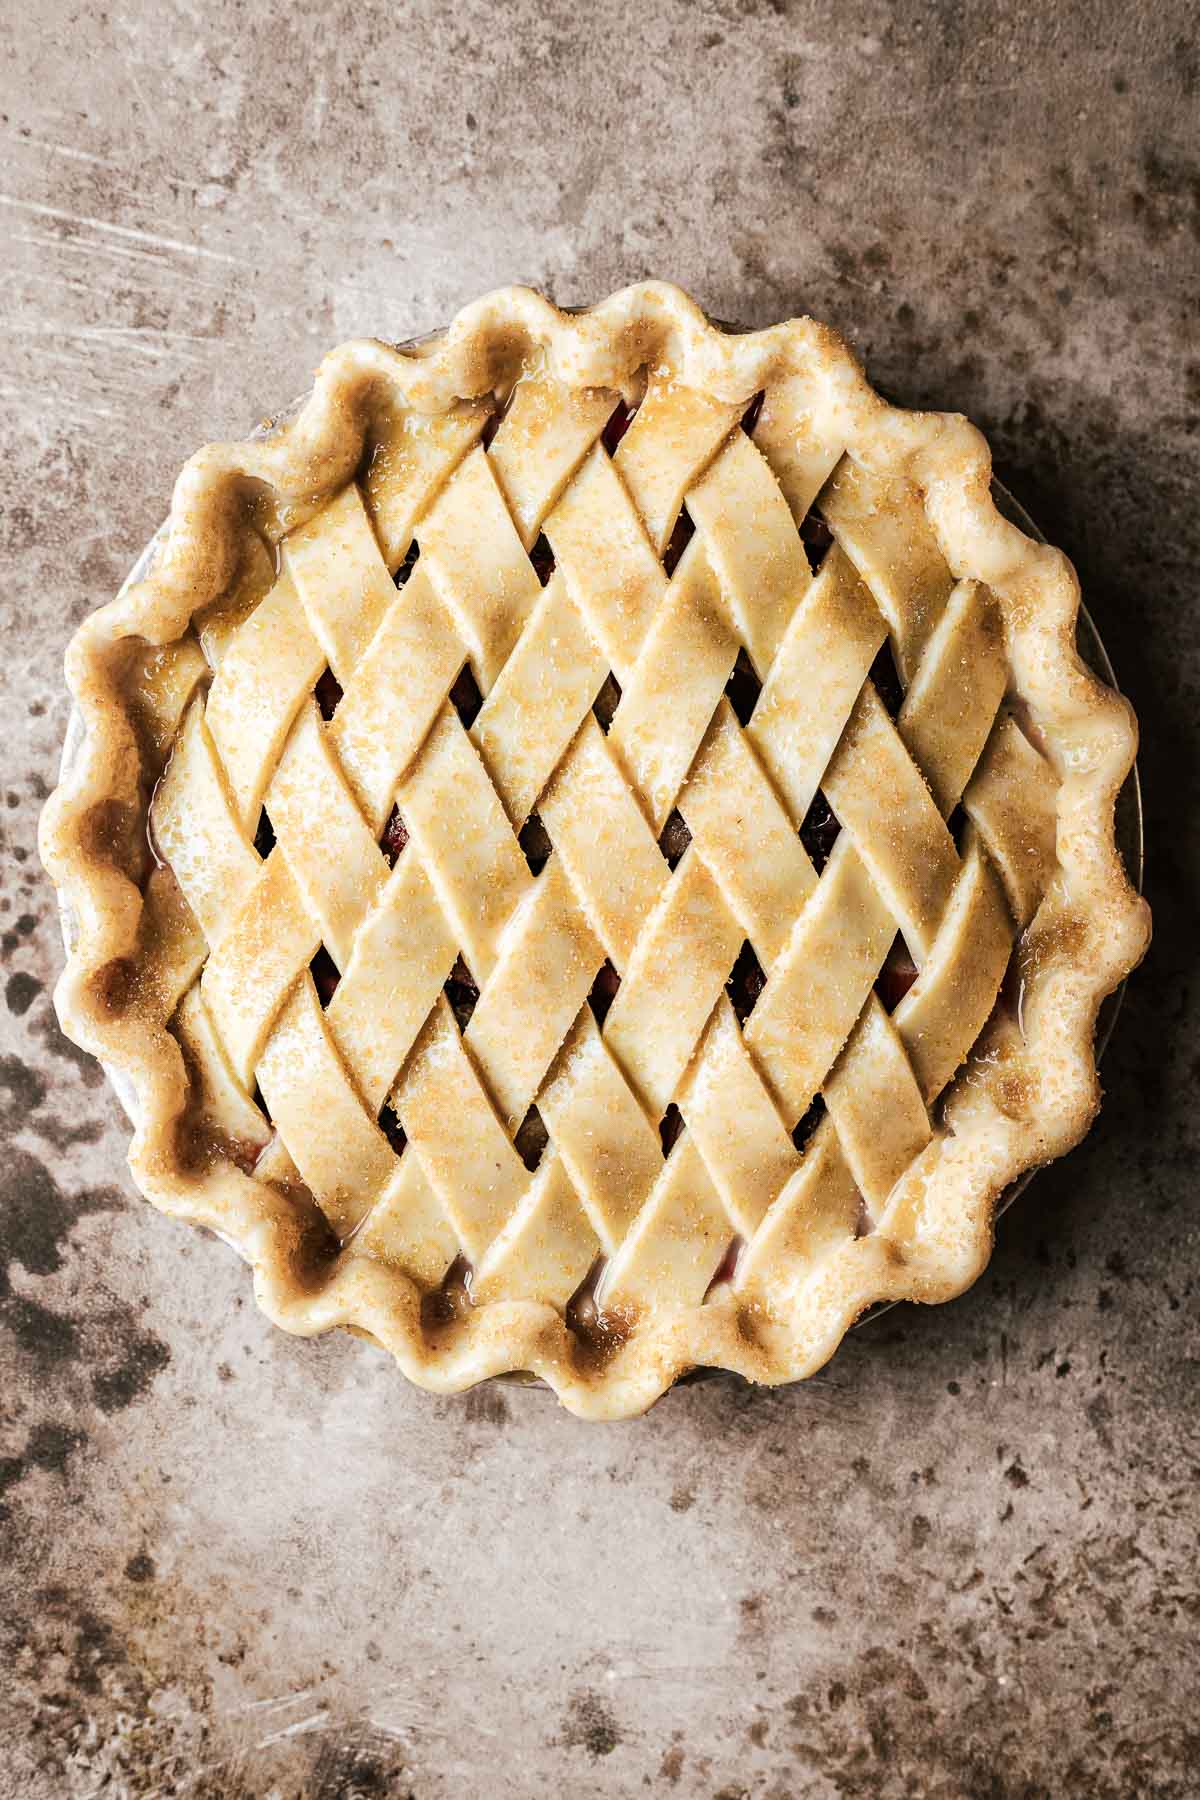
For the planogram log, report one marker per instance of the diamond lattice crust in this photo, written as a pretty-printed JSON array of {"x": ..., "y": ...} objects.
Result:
[{"x": 632, "y": 868}]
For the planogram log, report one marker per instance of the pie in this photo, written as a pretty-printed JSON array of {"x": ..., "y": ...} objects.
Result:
[{"x": 591, "y": 851}]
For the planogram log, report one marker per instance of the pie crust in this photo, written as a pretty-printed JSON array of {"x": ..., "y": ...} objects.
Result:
[{"x": 497, "y": 864}]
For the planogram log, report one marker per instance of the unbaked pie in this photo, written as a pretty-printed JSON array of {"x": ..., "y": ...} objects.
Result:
[{"x": 591, "y": 850}]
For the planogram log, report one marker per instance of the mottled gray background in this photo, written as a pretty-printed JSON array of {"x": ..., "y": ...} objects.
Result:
[{"x": 963, "y": 1561}]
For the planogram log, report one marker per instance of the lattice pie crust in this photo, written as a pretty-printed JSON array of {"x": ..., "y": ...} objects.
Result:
[{"x": 514, "y": 808}]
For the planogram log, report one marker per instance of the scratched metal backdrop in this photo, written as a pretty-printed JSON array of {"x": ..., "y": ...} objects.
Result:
[{"x": 963, "y": 1561}]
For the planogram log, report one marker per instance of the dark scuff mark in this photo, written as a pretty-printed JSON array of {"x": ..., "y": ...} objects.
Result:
[
  {"x": 25, "y": 926},
  {"x": 20, "y": 992},
  {"x": 357, "y": 1771},
  {"x": 47, "y": 1447},
  {"x": 22, "y": 1091},
  {"x": 36, "y": 1216},
  {"x": 671, "y": 1767},
  {"x": 588, "y": 1724},
  {"x": 89, "y": 1644},
  {"x": 1167, "y": 199},
  {"x": 62, "y": 1136},
  {"x": 142, "y": 1358},
  {"x": 49, "y": 1338}
]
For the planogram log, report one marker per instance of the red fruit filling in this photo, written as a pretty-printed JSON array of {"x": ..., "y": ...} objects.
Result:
[
  {"x": 896, "y": 976},
  {"x": 675, "y": 838},
  {"x": 816, "y": 534},
  {"x": 462, "y": 993},
  {"x": 466, "y": 698},
  {"x": 743, "y": 688},
  {"x": 604, "y": 992},
  {"x": 750, "y": 416},
  {"x": 617, "y": 426},
  {"x": 819, "y": 831},
  {"x": 324, "y": 972},
  {"x": 727, "y": 1267},
  {"x": 329, "y": 692},
  {"x": 887, "y": 681},
  {"x": 670, "y": 1127},
  {"x": 679, "y": 540},
  {"x": 542, "y": 558},
  {"x": 746, "y": 982},
  {"x": 395, "y": 836}
]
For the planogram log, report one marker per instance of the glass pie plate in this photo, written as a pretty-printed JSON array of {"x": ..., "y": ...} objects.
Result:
[{"x": 1128, "y": 832}]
